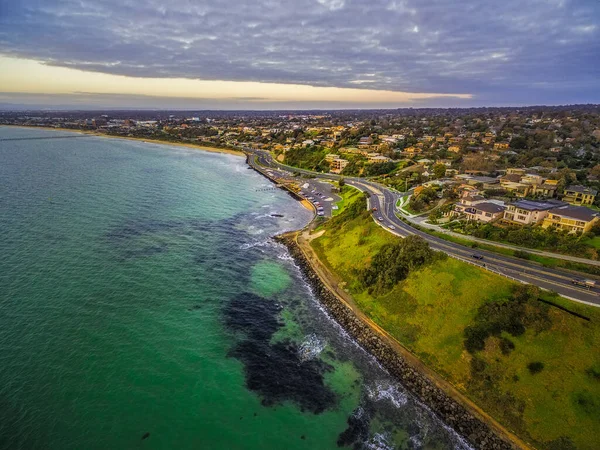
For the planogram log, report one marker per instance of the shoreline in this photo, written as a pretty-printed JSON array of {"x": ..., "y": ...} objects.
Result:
[
  {"x": 205, "y": 148},
  {"x": 452, "y": 407}
]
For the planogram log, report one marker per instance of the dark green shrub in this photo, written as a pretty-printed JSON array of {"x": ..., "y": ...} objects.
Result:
[
  {"x": 506, "y": 346},
  {"x": 535, "y": 367},
  {"x": 521, "y": 254}
]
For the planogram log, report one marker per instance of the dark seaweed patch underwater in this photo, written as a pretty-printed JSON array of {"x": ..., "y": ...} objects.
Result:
[{"x": 275, "y": 370}]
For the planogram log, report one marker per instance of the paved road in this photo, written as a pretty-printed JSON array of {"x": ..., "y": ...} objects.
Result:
[
  {"x": 385, "y": 200},
  {"x": 320, "y": 193}
]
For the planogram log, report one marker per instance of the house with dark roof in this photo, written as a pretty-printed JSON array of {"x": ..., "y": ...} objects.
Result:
[
  {"x": 480, "y": 211},
  {"x": 579, "y": 195},
  {"x": 528, "y": 212},
  {"x": 574, "y": 219}
]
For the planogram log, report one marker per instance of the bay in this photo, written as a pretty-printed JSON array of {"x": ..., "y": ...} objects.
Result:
[{"x": 143, "y": 304}]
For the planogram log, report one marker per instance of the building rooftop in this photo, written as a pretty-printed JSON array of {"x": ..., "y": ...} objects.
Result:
[
  {"x": 582, "y": 189},
  {"x": 532, "y": 205},
  {"x": 575, "y": 212},
  {"x": 490, "y": 207},
  {"x": 488, "y": 180}
]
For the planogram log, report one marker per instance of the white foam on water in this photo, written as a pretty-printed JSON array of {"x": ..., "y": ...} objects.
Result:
[
  {"x": 416, "y": 441},
  {"x": 311, "y": 347},
  {"x": 387, "y": 391},
  {"x": 254, "y": 230},
  {"x": 379, "y": 441}
]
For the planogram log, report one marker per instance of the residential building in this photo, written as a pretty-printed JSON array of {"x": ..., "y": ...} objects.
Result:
[
  {"x": 532, "y": 179},
  {"x": 337, "y": 165},
  {"x": 547, "y": 189},
  {"x": 331, "y": 156},
  {"x": 574, "y": 219},
  {"x": 474, "y": 207},
  {"x": 411, "y": 151},
  {"x": 365, "y": 142},
  {"x": 354, "y": 151},
  {"x": 528, "y": 212},
  {"x": 376, "y": 158},
  {"x": 579, "y": 195}
]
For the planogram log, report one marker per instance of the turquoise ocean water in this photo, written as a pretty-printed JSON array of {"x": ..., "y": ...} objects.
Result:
[{"x": 144, "y": 305}]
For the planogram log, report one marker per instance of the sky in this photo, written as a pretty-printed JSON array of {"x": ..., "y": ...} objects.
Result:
[{"x": 298, "y": 54}]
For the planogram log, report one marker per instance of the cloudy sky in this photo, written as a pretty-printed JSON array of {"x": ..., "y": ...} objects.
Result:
[{"x": 299, "y": 53}]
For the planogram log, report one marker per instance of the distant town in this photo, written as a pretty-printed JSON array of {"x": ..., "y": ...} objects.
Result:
[{"x": 525, "y": 176}]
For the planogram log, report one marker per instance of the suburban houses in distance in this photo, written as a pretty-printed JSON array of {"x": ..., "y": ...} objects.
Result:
[{"x": 531, "y": 168}]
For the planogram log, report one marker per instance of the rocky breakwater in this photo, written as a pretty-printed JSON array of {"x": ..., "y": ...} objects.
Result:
[{"x": 454, "y": 414}]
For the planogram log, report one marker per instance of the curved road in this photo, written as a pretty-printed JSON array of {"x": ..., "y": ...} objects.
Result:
[{"x": 385, "y": 200}]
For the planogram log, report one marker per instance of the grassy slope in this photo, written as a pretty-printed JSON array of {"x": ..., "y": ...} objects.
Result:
[
  {"x": 348, "y": 194},
  {"x": 428, "y": 313}
]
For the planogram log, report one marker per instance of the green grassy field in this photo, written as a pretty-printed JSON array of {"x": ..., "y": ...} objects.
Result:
[
  {"x": 555, "y": 408},
  {"x": 348, "y": 194}
]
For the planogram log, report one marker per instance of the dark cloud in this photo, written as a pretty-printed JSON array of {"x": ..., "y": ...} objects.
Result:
[{"x": 516, "y": 52}]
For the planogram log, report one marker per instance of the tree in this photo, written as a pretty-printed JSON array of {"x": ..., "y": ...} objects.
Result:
[
  {"x": 341, "y": 182},
  {"x": 518, "y": 142},
  {"x": 439, "y": 171},
  {"x": 394, "y": 262}
]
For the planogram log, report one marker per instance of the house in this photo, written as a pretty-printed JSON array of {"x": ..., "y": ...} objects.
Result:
[
  {"x": 487, "y": 140},
  {"x": 354, "y": 151},
  {"x": 579, "y": 195},
  {"x": 527, "y": 212},
  {"x": 500, "y": 145},
  {"x": 376, "y": 158},
  {"x": 516, "y": 188},
  {"x": 574, "y": 219},
  {"x": 485, "y": 182},
  {"x": 425, "y": 162},
  {"x": 532, "y": 179},
  {"x": 411, "y": 151},
  {"x": 337, "y": 165},
  {"x": 365, "y": 142},
  {"x": 479, "y": 210},
  {"x": 546, "y": 189},
  {"x": 454, "y": 149}
]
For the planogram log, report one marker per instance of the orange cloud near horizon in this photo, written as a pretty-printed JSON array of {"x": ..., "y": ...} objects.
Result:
[{"x": 35, "y": 77}]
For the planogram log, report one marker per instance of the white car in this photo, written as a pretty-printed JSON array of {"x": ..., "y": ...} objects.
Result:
[
  {"x": 392, "y": 227},
  {"x": 380, "y": 218}
]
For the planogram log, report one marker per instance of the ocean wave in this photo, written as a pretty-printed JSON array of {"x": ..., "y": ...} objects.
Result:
[
  {"x": 387, "y": 391},
  {"x": 252, "y": 230},
  {"x": 311, "y": 347},
  {"x": 379, "y": 441},
  {"x": 262, "y": 243}
]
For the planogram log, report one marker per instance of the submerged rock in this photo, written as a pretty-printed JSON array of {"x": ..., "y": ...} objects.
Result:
[{"x": 275, "y": 371}]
